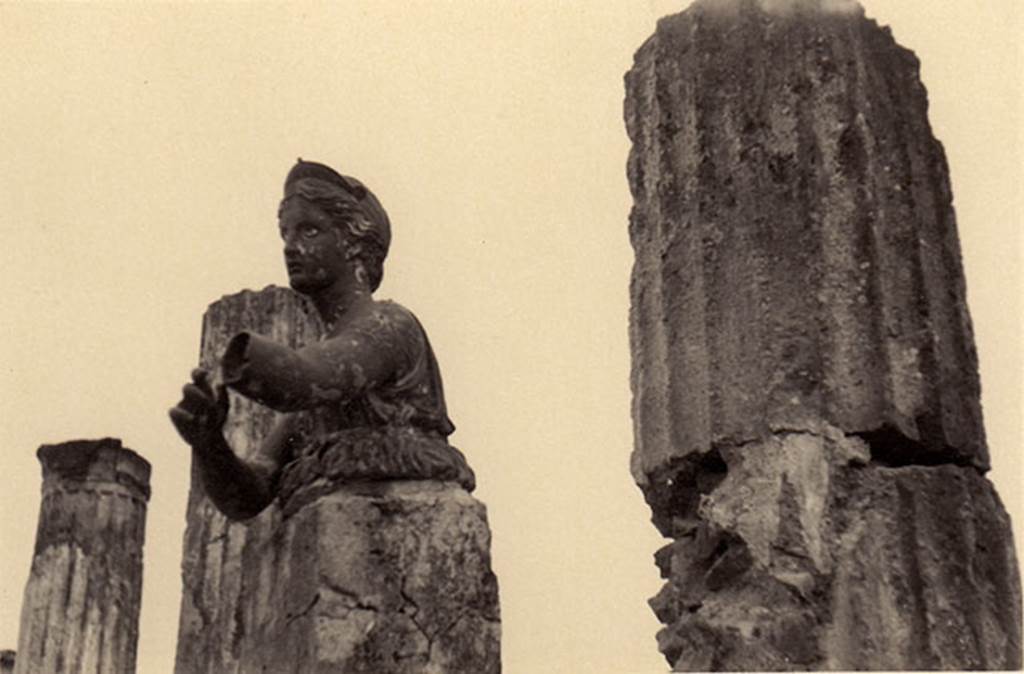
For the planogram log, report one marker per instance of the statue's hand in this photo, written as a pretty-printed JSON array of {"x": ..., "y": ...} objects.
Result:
[{"x": 203, "y": 408}]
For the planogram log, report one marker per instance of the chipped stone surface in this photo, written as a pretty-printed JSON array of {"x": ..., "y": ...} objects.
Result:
[
  {"x": 808, "y": 429},
  {"x": 808, "y": 557},
  {"x": 367, "y": 577},
  {"x": 80, "y": 610},
  {"x": 378, "y": 577}
]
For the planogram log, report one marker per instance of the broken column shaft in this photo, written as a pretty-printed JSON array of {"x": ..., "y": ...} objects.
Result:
[
  {"x": 213, "y": 596},
  {"x": 80, "y": 610},
  {"x": 806, "y": 400}
]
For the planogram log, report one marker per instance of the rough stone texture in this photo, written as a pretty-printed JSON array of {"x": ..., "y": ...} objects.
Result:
[
  {"x": 380, "y": 577},
  {"x": 796, "y": 247},
  {"x": 211, "y": 632},
  {"x": 370, "y": 577},
  {"x": 806, "y": 400},
  {"x": 808, "y": 555},
  {"x": 80, "y": 610}
]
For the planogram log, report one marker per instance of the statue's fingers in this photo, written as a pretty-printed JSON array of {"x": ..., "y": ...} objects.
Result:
[
  {"x": 183, "y": 421},
  {"x": 195, "y": 399},
  {"x": 180, "y": 416},
  {"x": 201, "y": 378}
]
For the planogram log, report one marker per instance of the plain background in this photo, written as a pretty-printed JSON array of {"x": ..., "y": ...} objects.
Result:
[{"x": 143, "y": 149}]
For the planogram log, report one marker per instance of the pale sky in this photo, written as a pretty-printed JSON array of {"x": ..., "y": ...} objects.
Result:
[{"x": 143, "y": 152}]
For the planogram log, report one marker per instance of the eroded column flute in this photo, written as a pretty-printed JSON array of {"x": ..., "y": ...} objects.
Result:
[
  {"x": 806, "y": 399},
  {"x": 80, "y": 611}
]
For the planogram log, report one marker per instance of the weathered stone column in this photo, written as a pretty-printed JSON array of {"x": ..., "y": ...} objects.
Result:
[
  {"x": 211, "y": 626},
  {"x": 389, "y": 576},
  {"x": 80, "y": 611},
  {"x": 806, "y": 402}
]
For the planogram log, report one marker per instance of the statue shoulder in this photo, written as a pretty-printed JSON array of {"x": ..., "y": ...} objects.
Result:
[
  {"x": 389, "y": 311},
  {"x": 384, "y": 321}
]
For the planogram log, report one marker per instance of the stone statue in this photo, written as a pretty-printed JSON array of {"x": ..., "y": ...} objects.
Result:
[{"x": 365, "y": 403}]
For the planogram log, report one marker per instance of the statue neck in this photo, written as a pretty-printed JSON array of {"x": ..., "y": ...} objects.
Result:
[{"x": 335, "y": 301}]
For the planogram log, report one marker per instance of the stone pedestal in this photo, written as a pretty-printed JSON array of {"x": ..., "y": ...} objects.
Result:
[
  {"x": 382, "y": 577},
  {"x": 374, "y": 576},
  {"x": 80, "y": 611},
  {"x": 806, "y": 399}
]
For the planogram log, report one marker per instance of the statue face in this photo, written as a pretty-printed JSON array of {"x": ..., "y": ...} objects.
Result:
[{"x": 314, "y": 247}]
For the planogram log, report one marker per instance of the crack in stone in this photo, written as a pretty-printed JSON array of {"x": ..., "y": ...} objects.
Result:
[
  {"x": 289, "y": 618},
  {"x": 892, "y": 449},
  {"x": 218, "y": 538},
  {"x": 358, "y": 602},
  {"x": 888, "y": 447},
  {"x": 413, "y": 617}
]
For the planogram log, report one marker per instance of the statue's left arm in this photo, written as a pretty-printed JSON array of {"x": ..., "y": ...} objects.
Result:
[{"x": 371, "y": 349}]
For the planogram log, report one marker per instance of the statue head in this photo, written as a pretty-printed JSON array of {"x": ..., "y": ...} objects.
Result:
[{"x": 344, "y": 205}]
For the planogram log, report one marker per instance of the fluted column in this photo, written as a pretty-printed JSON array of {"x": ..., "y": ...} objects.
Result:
[
  {"x": 80, "y": 610},
  {"x": 806, "y": 403}
]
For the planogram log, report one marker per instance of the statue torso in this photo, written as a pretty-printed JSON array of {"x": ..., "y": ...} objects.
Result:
[{"x": 395, "y": 429}]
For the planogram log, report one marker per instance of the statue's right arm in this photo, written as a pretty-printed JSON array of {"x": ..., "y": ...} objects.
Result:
[
  {"x": 239, "y": 489},
  {"x": 374, "y": 346}
]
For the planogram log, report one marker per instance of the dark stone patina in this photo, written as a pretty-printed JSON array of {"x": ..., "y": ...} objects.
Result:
[{"x": 363, "y": 403}]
